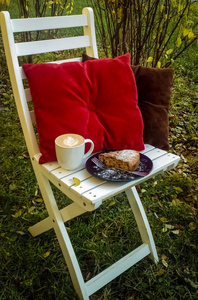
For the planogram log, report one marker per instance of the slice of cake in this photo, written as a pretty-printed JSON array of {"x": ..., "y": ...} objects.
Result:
[{"x": 124, "y": 159}]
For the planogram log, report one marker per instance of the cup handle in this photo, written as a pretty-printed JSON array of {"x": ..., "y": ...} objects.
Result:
[{"x": 91, "y": 148}]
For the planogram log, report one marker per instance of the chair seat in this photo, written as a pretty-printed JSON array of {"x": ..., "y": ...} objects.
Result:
[{"x": 92, "y": 191}]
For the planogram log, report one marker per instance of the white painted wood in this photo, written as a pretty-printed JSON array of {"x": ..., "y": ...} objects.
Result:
[
  {"x": 46, "y": 46},
  {"x": 142, "y": 221},
  {"x": 89, "y": 30},
  {"x": 61, "y": 233},
  {"x": 17, "y": 84},
  {"x": 46, "y": 23},
  {"x": 67, "y": 213},
  {"x": 116, "y": 269}
]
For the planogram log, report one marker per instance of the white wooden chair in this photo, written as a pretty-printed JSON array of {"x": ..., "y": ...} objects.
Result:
[{"x": 92, "y": 192}]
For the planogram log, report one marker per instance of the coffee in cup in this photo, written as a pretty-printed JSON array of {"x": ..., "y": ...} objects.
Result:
[{"x": 70, "y": 150}]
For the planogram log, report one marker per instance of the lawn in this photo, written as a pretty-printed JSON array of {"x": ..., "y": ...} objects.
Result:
[{"x": 34, "y": 268}]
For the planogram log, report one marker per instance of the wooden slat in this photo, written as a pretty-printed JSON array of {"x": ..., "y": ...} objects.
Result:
[
  {"x": 45, "y": 46},
  {"x": 28, "y": 95},
  {"x": 93, "y": 190},
  {"x": 32, "y": 115},
  {"x": 23, "y": 76},
  {"x": 34, "y": 24},
  {"x": 117, "y": 268}
]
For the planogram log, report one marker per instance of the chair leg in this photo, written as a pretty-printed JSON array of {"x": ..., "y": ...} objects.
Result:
[
  {"x": 69, "y": 212},
  {"x": 63, "y": 237},
  {"x": 142, "y": 221}
]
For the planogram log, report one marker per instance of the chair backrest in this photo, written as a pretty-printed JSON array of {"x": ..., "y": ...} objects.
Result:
[{"x": 14, "y": 51}]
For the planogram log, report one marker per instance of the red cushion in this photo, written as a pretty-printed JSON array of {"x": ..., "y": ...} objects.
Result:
[{"x": 97, "y": 99}]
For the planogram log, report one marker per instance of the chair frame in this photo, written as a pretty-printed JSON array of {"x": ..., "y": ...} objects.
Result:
[{"x": 92, "y": 192}]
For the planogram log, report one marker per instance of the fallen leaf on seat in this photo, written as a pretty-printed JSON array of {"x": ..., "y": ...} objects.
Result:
[{"x": 76, "y": 181}]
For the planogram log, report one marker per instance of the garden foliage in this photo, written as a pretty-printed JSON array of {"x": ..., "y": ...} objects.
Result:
[{"x": 155, "y": 32}]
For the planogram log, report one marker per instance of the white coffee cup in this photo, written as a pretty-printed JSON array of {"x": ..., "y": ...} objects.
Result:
[{"x": 70, "y": 150}]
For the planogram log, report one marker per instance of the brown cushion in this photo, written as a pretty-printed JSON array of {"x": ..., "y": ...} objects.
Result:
[{"x": 154, "y": 93}]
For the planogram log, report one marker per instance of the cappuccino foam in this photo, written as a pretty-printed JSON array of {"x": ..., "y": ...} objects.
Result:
[{"x": 70, "y": 140}]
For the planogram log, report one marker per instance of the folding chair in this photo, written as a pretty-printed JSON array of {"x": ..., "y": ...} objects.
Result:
[{"x": 91, "y": 192}]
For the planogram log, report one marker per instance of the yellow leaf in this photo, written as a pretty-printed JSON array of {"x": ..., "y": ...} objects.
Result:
[
  {"x": 169, "y": 226},
  {"x": 160, "y": 204},
  {"x": 176, "y": 202},
  {"x": 112, "y": 203},
  {"x": 68, "y": 229},
  {"x": 20, "y": 232},
  {"x": 150, "y": 59},
  {"x": 17, "y": 214},
  {"x": 191, "y": 35},
  {"x": 161, "y": 8},
  {"x": 160, "y": 272},
  {"x": 163, "y": 219},
  {"x": 163, "y": 257},
  {"x": 39, "y": 200},
  {"x": 176, "y": 231},
  {"x": 186, "y": 31},
  {"x": 178, "y": 42},
  {"x": 192, "y": 225},
  {"x": 46, "y": 254},
  {"x": 76, "y": 181},
  {"x": 159, "y": 64},
  {"x": 192, "y": 245},
  {"x": 164, "y": 229},
  {"x": 195, "y": 138},
  {"x": 169, "y": 51},
  {"x": 164, "y": 263},
  {"x": 177, "y": 188}
]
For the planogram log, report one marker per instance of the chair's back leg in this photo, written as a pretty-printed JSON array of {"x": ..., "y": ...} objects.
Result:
[{"x": 142, "y": 221}]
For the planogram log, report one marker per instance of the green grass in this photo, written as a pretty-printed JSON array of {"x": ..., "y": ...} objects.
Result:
[{"x": 101, "y": 237}]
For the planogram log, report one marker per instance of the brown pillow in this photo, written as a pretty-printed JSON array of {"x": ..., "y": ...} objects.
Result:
[{"x": 154, "y": 93}]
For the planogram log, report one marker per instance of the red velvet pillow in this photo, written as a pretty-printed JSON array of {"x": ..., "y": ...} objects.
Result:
[
  {"x": 97, "y": 99},
  {"x": 154, "y": 95}
]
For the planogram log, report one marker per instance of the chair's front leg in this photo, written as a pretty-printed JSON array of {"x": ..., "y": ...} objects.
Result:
[
  {"x": 142, "y": 221},
  {"x": 62, "y": 236}
]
